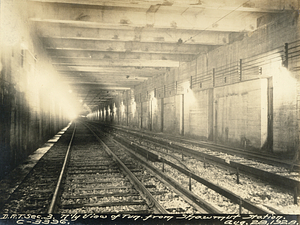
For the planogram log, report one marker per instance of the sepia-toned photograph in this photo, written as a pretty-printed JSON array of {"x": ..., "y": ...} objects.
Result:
[{"x": 150, "y": 112}]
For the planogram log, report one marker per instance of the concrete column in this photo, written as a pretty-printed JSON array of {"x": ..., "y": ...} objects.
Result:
[
  {"x": 264, "y": 111},
  {"x": 210, "y": 113},
  {"x": 162, "y": 114},
  {"x": 141, "y": 114},
  {"x": 151, "y": 114},
  {"x": 127, "y": 109},
  {"x": 182, "y": 115},
  {"x": 215, "y": 121}
]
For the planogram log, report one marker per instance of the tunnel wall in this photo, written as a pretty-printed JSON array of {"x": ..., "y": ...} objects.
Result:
[
  {"x": 28, "y": 117},
  {"x": 242, "y": 94},
  {"x": 198, "y": 108},
  {"x": 240, "y": 115}
]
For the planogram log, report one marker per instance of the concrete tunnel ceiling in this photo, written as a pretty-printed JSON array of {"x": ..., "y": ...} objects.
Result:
[{"x": 105, "y": 47}]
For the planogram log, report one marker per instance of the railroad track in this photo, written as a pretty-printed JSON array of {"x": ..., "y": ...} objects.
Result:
[
  {"x": 278, "y": 175},
  {"x": 200, "y": 205},
  {"x": 237, "y": 168},
  {"x": 268, "y": 158},
  {"x": 237, "y": 204},
  {"x": 33, "y": 194},
  {"x": 96, "y": 182},
  {"x": 96, "y": 177}
]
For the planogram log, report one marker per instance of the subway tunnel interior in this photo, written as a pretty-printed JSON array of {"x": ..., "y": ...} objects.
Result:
[{"x": 221, "y": 71}]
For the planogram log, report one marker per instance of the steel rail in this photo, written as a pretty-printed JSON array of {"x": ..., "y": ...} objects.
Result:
[
  {"x": 62, "y": 172},
  {"x": 213, "y": 146},
  {"x": 151, "y": 201},
  {"x": 279, "y": 180},
  {"x": 226, "y": 193},
  {"x": 199, "y": 203},
  {"x": 276, "y": 179}
]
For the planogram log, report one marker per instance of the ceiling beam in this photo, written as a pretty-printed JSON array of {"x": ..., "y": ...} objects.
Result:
[
  {"x": 97, "y": 74},
  {"x": 104, "y": 75},
  {"x": 95, "y": 99},
  {"x": 133, "y": 46},
  {"x": 141, "y": 35},
  {"x": 119, "y": 17},
  {"x": 127, "y": 71},
  {"x": 92, "y": 86},
  {"x": 124, "y": 80},
  {"x": 115, "y": 63},
  {"x": 98, "y": 93},
  {"x": 254, "y": 6},
  {"x": 106, "y": 79},
  {"x": 121, "y": 84},
  {"x": 81, "y": 53},
  {"x": 225, "y": 25},
  {"x": 101, "y": 92},
  {"x": 177, "y": 52},
  {"x": 98, "y": 98}
]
